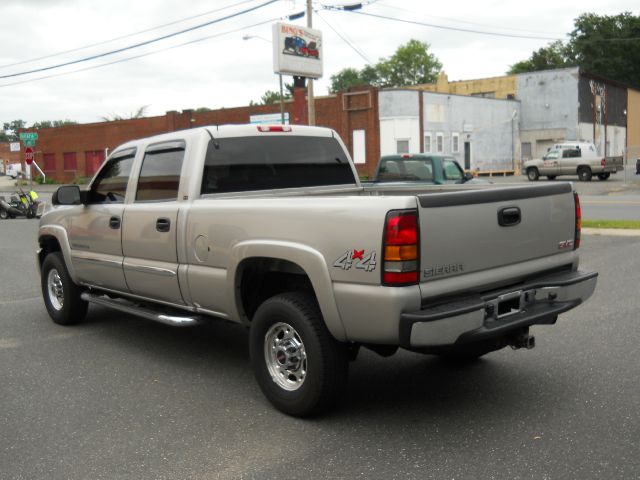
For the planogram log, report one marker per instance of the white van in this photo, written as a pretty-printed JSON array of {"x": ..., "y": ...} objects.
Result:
[{"x": 14, "y": 170}]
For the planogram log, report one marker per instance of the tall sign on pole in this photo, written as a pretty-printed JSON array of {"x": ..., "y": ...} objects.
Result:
[{"x": 298, "y": 51}]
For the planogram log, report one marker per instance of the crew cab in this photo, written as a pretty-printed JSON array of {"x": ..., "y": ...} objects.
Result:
[
  {"x": 269, "y": 227},
  {"x": 573, "y": 158}
]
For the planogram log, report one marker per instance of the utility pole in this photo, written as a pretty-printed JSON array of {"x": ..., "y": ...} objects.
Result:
[{"x": 310, "y": 100}]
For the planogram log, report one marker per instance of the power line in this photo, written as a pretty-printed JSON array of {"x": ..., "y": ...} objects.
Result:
[
  {"x": 466, "y": 30},
  {"x": 147, "y": 42},
  {"x": 355, "y": 49},
  {"x": 125, "y": 36},
  {"x": 122, "y": 60},
  {"x": 393, "y": 7}
]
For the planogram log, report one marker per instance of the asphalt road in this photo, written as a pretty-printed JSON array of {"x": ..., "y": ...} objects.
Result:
[{"x": 118, "y": 397}]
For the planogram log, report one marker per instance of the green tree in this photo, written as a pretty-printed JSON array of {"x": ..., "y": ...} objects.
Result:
[
  {"x": 139, "y": 113},
  {"x": 411, "y": 64},
  {"x": 10, "y": 130},
  {"x": 270, "y": 97},
  {"x": 608, "y": 45},
  {"x": 554, "y": 55},
  {"x": 53, "y": 123}
]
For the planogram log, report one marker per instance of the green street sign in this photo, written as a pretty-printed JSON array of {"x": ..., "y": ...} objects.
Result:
[
  {"x": 33, "y": 136},
  {"x": 29, "y": 143}
]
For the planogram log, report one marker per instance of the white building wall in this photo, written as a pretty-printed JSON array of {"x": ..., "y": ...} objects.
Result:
[
  {"x": 394, "y": 129},
  {"x": 616, "y": 138}
]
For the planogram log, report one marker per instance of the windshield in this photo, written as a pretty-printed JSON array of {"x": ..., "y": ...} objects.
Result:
[{"x": 395, "y": 170}]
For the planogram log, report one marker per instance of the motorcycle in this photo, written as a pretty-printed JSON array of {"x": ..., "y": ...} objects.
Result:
[{"x": 20, "y": 204}]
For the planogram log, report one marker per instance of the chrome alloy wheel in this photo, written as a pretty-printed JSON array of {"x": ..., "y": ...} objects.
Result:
[
  {"x": 285, "y": 356},
  {"x": 56, "y": 291}
]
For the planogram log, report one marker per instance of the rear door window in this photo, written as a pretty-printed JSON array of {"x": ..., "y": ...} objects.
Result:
[{"x": 160, "y": 173}]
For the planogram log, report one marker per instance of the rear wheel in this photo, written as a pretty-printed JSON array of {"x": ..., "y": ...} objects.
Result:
[
  {"x": 604, "y": 175},
  {"x": 533, "y": 174},
  {"x": 61, "y": 295},
  {"x": 298, "y": 365},
  {"x": 584, "y": 174}
]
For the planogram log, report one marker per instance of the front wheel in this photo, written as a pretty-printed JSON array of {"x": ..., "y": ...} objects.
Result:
[
  {"x": 61, "y": 295},
  {"x": 584, "y": 174},
  {"x": 604, "y": 175},
  {"x": 299, "y": 366},
  {"x": 533, "y": 174},
  {"x": 4, "y": 214}
]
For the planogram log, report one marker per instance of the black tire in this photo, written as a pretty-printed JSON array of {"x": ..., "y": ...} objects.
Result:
[
  {"x": 317, "y": 372},
  {"x": 551, "y": 177},
  {"x": 4, "y": 214},
  {"x": 533, "y": 174},
  {"x": 604, "y": 176},
  {"x": 61, "y": 296},
  {"x": 584, "y": 174}
]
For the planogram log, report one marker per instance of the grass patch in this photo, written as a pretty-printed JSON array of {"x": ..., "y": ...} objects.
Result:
[{"x": 626, "y": 224}]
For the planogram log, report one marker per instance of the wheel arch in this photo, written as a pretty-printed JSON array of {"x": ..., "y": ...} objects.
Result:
[
  {"x": 52, "y": 238},
  {"x": 275, "y": 267}
]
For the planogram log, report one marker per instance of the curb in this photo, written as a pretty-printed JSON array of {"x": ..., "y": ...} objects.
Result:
[{"x": 613, "y": 232}]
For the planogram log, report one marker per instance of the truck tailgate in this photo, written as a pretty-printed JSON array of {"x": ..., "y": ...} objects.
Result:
[{"x": 469, "y": 231}]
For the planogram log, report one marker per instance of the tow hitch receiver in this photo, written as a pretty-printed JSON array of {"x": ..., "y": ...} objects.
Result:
[{"x": 504, "y": 306}]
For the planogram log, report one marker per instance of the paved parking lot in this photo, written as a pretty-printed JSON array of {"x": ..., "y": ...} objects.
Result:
[{"x": 118, "y": 397}]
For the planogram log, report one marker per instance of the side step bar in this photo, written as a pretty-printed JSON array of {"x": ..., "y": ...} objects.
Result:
[{"x": 142, "y": 311}]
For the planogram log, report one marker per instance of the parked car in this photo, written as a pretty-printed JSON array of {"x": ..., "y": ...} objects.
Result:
[
  {"x": 268, "y": 226},
  {"x": 14, "y": 170},
  {"x": 573, "y": 158},
  {"x": 412, "y": 168}
]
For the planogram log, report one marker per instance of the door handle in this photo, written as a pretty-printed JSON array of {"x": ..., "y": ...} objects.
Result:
[
  {"x": 509, "y": 216},
  {"x": 114, "y": 222},
  {"x": 163, "y": 225}
]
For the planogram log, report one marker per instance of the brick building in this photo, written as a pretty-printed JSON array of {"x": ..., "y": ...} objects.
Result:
[
  {"x": 7, "y": 156},
  {"x": 69, "y": 152}
]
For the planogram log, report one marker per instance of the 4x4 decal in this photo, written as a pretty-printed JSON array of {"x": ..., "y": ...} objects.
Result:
[{"x": 358, "y": 259}]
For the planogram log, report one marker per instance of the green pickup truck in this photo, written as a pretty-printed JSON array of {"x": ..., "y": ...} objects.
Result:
[{"x": 420, "y": 167}]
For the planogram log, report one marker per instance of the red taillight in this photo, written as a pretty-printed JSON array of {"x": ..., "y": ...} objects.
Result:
[
  {"x": 274, "y": 128},
  {"x": 578, "y": 234},
  {"x": 603, "y": 162},
  {"x": 400, "y": 248},
  {"x": 406, "y": 155}
]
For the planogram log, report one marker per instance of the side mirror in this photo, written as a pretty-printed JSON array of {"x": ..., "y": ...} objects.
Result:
[
  {"x": 67, "y": 195},
  {"x": 468, "y": 176}
]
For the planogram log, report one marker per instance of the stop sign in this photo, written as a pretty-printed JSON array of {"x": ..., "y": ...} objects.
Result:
[{"x": 28, "y": 155}]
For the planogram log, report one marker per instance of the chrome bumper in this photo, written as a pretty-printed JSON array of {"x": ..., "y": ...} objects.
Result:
[{"x": 498, "y": 313}]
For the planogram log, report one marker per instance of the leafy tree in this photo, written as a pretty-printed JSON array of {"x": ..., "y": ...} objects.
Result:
[
  {"x": 602, "y": 44},
  {"x": 411, "y": 64},
  {"x": 53, "y": 123},
  {"x": 270, "y": 97},
  {"x": 10, "y": 129},
  {"x": 608, "y": 45},
  {"x": 139, "y": 113},
  {"x": 554, "y": 55}
]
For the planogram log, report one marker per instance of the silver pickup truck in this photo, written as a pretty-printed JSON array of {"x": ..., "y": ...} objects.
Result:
[
  {"x": 269, "y": 227},
  {"x": 573, "y": 158}
]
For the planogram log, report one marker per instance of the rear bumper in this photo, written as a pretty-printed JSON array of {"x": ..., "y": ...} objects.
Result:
[{"x": 496, "y": 314}]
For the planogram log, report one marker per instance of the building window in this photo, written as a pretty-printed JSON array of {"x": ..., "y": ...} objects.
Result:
[
  {"x": 49, "y": 161},
  {"x": 92, "y": 160},
  {"x": 455, "y": 142},
  {"x": 402, "y": 146},
  {"x": 70, "y": 161},
  {"x": 359, "y": 147},
  {"x": 427, "y": 143},
  {"x": 439, "y": 142}
]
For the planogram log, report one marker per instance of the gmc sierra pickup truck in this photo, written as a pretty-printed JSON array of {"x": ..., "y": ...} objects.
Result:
[
  {"x": 268, "y": 226},
  {"x": 573, "y": 158}
]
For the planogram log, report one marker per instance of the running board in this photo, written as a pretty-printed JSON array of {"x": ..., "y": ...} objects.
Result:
[{"x": 142, "y": 311}]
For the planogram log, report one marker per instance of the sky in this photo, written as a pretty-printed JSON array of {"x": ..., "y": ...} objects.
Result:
[{"x": 218, "y": 68}]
